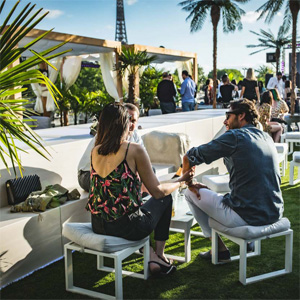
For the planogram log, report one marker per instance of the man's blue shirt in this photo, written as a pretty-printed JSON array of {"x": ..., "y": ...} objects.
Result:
[
  {"x": 187, "y": 90},
  {"x": 250, "y": 157}
]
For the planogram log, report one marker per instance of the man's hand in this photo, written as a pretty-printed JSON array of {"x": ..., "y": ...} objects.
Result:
[{"x": 195, "y": 187}]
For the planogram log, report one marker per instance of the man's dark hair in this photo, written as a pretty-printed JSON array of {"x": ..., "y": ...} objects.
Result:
[
  {"x": 185, "y": 72},
  {"x": 131, "y": 106},
  {"x": 283, "y": 78},
  {"x": 224, "y": 78},
  {"x": 278, "y": 74},
  {"x": 165, "y": 74},
  {"x": 266, "y": 97},
  {"x": 113, "y": 121},
  {"x": 248, "y": 107}
]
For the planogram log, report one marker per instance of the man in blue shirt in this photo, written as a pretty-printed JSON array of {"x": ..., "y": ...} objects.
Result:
[
  {"x": 187, "y": 92},
  {"x": 250, "y": 157}
]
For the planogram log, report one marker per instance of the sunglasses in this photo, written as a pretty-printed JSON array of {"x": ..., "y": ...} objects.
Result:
[{"x": 228, "y": 113}]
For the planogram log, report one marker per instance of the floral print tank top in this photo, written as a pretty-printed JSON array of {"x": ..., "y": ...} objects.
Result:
[{"x": 117, "y": 194}]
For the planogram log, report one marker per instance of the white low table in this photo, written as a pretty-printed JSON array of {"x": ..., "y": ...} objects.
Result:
[{"x": 182, "y": 223}]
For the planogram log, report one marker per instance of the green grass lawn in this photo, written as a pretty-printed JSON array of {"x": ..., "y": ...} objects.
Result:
[{"x": 197, "y": 279}]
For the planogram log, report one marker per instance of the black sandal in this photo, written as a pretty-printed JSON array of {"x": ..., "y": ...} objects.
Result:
[{"x": 164, "y": 270}]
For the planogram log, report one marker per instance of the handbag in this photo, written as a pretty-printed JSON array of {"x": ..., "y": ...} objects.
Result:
[{"x": 19, "y": 189}]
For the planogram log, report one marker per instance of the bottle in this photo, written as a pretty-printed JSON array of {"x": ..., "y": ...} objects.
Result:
[{"x": 178, "y": 172}]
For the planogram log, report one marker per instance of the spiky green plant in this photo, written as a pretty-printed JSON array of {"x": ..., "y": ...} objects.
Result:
[
  {"x": 132, "y": 60},
  {"x": 14, "y": 76}
]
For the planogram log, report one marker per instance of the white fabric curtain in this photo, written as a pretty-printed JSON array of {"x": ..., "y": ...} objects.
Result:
[
  {"x": 125, "y": 82},
  {"x": 183, "y": 65},
  {"x": 50, "y": 106},
  {"x": 37, "y": 89},
  {"x": 71, "y": 69},
  {"x": 109, "y": 76}
]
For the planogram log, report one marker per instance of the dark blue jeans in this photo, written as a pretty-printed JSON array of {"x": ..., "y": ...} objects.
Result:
[
  {"x": 167, "y": 107},
  {"x": 155, "y": 215}
]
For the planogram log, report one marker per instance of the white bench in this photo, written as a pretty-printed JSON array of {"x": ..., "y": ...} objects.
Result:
[
  {"x": 84, "y": 240},
  {"x": 244, "y": 234},
  {"x": 282, "y": 150},
  {"x": 291, "y": 138},
  {"x": 295, "y": 163},
  {"x": 217, "y": 183}
]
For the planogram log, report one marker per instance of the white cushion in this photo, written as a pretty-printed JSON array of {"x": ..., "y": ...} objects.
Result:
[
  {"x": 83, "y": 235},
  {"x": 293, "y": 135},
  {"x": 281, "y": 157},
  {"x": 251, "y": 232},
  {"x": 282, "y": 147},
  {"x": 217, "y": 183},
  {"x": 296, "y": 156}
]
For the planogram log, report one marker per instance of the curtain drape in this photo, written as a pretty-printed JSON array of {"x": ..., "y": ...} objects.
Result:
[
  {"x": 183, "y": 65},
  {"x": 38, "y": 90},
  {"x": 50, "y": 106},
  {"x": 71, "y": 69},
  {"x": 109, "y": 76}
]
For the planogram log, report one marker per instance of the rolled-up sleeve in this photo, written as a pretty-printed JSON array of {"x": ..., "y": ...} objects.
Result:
[{"x": 223, "y": 146}]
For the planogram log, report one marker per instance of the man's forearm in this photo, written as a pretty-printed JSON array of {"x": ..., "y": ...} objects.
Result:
[{"x": 185, "y": 164}]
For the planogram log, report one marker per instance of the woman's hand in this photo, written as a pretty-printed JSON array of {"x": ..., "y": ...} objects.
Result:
[{"x": 196, "y": 187}]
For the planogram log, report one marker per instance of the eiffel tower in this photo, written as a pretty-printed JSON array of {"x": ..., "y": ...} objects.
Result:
[{"x": 121, "y": 34}]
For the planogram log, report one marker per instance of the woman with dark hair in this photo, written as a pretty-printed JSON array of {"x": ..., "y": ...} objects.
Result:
[
  {"x": 250, "y": 87},
  {"x": 264, "y": 109},
  {"x": 117, "y": 169},
  {"x": 208, "y": 90},
  {"x": 287, "y": 90},
  {"x": 261, "y": 87}
]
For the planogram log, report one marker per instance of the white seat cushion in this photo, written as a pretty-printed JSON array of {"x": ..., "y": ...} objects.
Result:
[
  {"x": 282, "y": 147},
  {"x": 217, "y": 183},
  {"x": 296, "y": 156},
  {"x": 83, "y": 235},
  {"x": 293, "y": 135},
  {"x": 251, "y": 232}
]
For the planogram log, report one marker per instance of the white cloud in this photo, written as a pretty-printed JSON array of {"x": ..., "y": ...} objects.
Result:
[
  {"x": 54, "y": 13},
  {"x": 110, "y": 27},
  {"x": 131, "y": 2},
  {"x": 279, "y": 14},
  {"x": 250, "y": 17}
]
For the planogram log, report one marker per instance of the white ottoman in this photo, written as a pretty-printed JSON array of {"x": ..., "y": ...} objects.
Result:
[
  {"x": 291, "y": 138},
  {"x": 83, "y": 239},
  {"x": 283, "y": 148},
  {"x": 217, "y": 183},
  {"x": 295, "y": 163},
  {"x": 244, "y": 234}
]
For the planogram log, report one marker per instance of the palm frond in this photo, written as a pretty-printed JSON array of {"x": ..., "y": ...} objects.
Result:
[{"x": 270, "y": 8}]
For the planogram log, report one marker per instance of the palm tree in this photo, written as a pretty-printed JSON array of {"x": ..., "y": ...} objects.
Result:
[
  {"x": 268, "y": 41},
  {"x": 12, "y": 79},
  {"x": 231, "y": 14},
  {"x": 132, "y": 60},
  {"x": 292, "y": 7}
]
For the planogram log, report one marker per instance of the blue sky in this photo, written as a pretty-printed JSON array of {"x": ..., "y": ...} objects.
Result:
[{"x": 159, "y": 22}]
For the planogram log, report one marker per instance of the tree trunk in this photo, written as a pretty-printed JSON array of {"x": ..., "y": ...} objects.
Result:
[
  {"x": 131, "y": 90},
  {"x": 75, "y": 118},
  {"x": 61, "y": 118},
  {"x": 66, "y": 118},
  {"x": 294, "y": 7},
  {"x": 277, "y": 55},
  {"x": 215, "y": 17}
]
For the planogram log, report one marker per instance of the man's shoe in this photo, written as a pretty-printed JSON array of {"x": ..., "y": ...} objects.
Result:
[
  {"x": 223, "y": 256},
  {"x": 250, "y": 247}
]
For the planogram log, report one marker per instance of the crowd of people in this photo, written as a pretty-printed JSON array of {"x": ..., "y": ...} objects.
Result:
[{"x": 115, "y": 165}]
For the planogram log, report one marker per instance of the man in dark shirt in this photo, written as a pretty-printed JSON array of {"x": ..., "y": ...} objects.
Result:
[
  {"x": 250, "y": 157},
  {"x": 166, "y": 92}
]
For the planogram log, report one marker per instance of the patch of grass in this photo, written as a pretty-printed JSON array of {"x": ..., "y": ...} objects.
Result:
[{"x": 197, "y": 279}]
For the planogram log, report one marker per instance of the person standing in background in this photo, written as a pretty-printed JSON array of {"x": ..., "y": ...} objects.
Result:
[
  {"x": 187, "y": 92},
  {"x": 276, "y": 82},
  {"x": 166, "y": 93},
  {"x": 250, "y": 89}
]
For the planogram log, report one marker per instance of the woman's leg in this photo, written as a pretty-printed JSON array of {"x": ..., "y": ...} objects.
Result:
[{"x": 276, "y": 130}]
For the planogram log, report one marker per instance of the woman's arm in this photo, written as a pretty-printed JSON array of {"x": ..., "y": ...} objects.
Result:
[
  {"x": 242, "y": 92},
  {"x": 157, "y": 190},
  {"x": 257, "y": 93}
]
